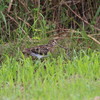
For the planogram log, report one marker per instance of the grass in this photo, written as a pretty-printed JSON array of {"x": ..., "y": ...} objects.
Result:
[
  {"x": 52, "y": 79},
  {"x": 57, "y": 77}
]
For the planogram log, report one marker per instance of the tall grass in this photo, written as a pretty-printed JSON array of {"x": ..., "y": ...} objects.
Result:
[
  {"x": 56, "y": 78},
  {"x": 40, "y": 17},
  {"x": 52, "y": 79}
]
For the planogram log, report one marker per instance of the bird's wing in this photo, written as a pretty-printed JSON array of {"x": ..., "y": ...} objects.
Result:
[{"x": 42, "y": 49}]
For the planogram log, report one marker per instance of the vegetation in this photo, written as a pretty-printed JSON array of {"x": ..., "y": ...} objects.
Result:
[
  {"x": 54, "y": 79},
  {"x": 72, "y": 72}
]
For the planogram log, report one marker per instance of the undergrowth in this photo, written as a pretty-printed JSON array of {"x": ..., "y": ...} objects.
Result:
[
  {"x": 51, "y": 79},
  {"x": 75, "y": 76}
]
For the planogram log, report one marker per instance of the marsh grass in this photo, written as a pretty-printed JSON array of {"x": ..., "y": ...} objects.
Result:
[
  {"x": 56, "y": 77},
  {"x": 51, "y": 79}
]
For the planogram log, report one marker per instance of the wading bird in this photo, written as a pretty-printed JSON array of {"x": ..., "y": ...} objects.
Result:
[{"x": 41, "y": 51}]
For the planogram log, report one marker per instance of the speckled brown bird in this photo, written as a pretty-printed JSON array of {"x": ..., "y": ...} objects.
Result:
[{"x": 41, "y": 51}]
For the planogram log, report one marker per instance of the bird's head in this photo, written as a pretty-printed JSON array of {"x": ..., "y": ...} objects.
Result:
[{"x": 53, "y": 42}]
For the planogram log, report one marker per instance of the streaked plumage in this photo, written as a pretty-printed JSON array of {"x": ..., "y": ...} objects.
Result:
[{"x": 41, "y": 50}]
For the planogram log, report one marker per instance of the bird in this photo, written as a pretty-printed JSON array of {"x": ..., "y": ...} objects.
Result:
[
  {"x": 39, "y": 56},
  {"x": 41, "y": 51}
]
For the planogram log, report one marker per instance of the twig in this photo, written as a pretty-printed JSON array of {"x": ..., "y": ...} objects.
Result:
[
  {"x": 95, "y": 34},
  {"x": 57, "y": 30},
  {"x": 24, "y": 5},
  {"x": 12, "y": 19},
  {"x": 9, "y": 7},
  {"x": 18, "y": 24},
  {"x": 94, "y": 39},
  {"x": 24, "y": 21},
  {"x": 64, "y": 3}
]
